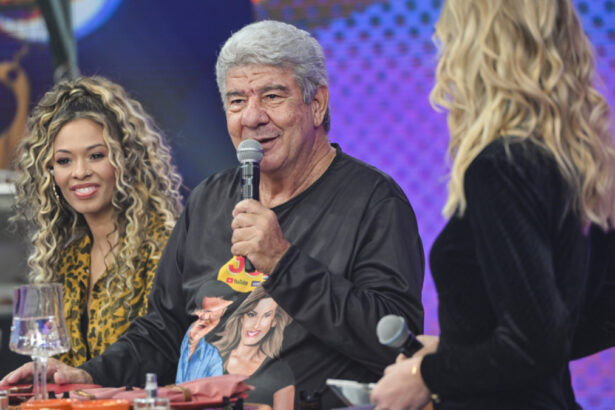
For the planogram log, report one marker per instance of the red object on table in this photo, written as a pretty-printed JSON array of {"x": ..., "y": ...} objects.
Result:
[
  {"x": 19, "y": 393},
  {"x": 205, "y": 391},
  {"x": 26, "y": 389}
]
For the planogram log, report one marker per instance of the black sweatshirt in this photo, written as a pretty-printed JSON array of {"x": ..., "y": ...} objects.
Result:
[{"x": 356, "y": 255}]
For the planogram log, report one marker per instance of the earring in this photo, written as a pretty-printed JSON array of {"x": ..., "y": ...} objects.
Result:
[
  {"x": 55, "y": 193},
  {"x": 55, "y": 187}
]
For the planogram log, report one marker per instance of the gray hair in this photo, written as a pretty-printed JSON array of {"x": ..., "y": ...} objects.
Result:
[{"x": 280, "y": 45}]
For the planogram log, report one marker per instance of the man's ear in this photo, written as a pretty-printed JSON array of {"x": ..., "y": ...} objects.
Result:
[{"x": 319, "y": 105}]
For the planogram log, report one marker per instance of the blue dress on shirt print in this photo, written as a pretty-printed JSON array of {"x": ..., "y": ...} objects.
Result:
[{"x": 205, "y": 361}]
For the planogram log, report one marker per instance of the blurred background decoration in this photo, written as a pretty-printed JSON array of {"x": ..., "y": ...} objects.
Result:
[{"x": 381, "y": 61}]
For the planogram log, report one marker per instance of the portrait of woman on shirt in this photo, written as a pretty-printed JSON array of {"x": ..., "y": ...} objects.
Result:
[
  {"x": 532, "y": 168},
  {"x": 98, "y": 196},
  {"x": 250, "y": 344}
]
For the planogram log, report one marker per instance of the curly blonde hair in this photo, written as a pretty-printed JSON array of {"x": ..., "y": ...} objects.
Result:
[
  {"x": 525, "y": 68},
  {"x": 146, "y": 182}
]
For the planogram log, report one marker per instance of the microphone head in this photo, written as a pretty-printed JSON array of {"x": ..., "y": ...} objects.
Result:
[
  {"x": 249, "y": 151},
  {"x": 392, "y": 331}
]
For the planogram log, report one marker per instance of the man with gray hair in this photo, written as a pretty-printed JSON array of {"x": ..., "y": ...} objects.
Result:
[{"x": 334, "y": 242}]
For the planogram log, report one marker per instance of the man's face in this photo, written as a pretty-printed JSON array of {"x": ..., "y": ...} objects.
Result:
[{"x": 265, "y": 103}]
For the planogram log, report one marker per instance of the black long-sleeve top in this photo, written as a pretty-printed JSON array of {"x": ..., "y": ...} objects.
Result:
[
  {"x": 596, "y": 328},
  {"x": 510, "y": 277}
]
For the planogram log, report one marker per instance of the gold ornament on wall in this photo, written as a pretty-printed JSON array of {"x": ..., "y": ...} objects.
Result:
[{"x": 15, "y": 79}]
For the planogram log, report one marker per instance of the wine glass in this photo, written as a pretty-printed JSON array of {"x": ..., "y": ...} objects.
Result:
[{"x": 39, "y": 329}]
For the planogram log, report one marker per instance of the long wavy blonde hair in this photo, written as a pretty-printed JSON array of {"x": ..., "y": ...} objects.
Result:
[
  {"x": 525, "y": 68},
  {"x": 146, "y": 182}
]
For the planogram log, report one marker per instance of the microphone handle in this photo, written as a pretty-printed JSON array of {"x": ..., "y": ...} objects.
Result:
[
  {"x": 249, "y": 267},
  {"x": 411, "y": 346},
  {"x": 250, "y": 179}
]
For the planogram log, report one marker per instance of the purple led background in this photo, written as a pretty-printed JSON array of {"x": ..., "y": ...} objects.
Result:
[{"x": 381, "y": 61}]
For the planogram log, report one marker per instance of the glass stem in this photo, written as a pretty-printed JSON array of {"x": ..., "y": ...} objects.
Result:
[
  {"x": 35, "y": 378},
  {"x": 43, "y": 386}
]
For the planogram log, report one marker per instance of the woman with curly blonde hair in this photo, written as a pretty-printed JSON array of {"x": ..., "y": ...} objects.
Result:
[
  {"x": 533, "y": 166},
  {"x": 99, "y": 196}
]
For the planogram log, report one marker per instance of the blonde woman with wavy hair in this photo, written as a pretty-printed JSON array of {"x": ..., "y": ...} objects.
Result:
[
  {"x": 533, "y": 166},
  {"x": 98, "y": 195}
]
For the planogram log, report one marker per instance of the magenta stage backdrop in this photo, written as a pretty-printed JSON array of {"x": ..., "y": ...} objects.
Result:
[{"x": 381, "y": 61}]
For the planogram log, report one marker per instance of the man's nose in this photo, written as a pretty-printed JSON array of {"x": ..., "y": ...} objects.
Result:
[{"x": 254, "y": 114}]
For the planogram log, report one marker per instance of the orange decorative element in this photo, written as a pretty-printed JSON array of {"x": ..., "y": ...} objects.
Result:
[
  {"x": 107, "y": 404},
  {"x": 13, "y": 76},
  {"x": 234, "y": 274},
  {"x": 55, "y": 404}
]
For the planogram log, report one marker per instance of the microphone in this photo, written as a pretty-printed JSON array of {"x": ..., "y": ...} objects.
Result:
[
  {"x": 393, "y": 331},
  {"x": 249, "y": 154}
]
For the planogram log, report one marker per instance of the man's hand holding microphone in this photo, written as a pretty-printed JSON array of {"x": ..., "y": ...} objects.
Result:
[{"x": 256, "y": 232}]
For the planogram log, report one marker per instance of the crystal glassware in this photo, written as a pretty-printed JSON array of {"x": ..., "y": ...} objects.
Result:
[{"x": 39, "y": 329}]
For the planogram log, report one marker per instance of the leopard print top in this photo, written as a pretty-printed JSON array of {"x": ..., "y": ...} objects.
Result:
[{"x": 105, "y": 325}]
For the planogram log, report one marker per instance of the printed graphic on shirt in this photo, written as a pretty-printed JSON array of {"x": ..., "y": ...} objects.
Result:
[
  {"x": 233, "y": 273},
  {"x": 197, "y": 357},
  {"x": 246, "y": 341}
]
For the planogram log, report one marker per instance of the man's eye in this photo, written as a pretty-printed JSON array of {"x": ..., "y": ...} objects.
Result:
[{"x": 271, "y": 96}]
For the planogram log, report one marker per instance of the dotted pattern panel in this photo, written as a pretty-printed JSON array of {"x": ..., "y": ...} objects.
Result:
[{"x": 381, "y": 61}]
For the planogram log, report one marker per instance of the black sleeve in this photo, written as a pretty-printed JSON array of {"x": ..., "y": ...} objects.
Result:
[
  {"x": 509, "y": 211},
  {"x": 385, "y": 276},
  {"x": 152, "y": 342},
  {"x": 596, "y": 329}
]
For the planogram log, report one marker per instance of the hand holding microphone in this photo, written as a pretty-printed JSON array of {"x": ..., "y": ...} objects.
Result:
[
  {"x": 250, "y": 154},
  {"x": 402, "y": 385},
  {"x": 393, "y": 331},
  {"x": 256, "y": 230}
]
